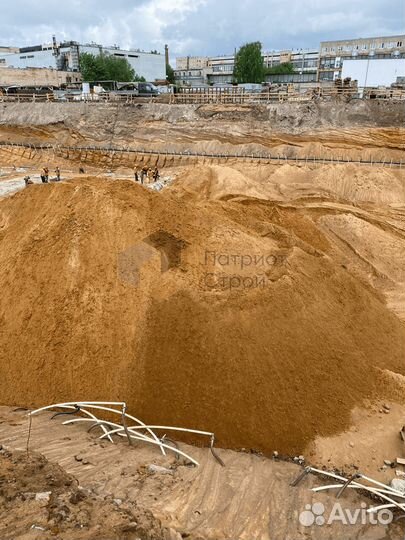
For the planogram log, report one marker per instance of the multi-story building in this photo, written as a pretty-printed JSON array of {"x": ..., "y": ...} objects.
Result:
[
  {"x": 191, "y": 62},
  {"x": 65, "y": 57},
  {"x": 221, "y": 69},
  {"x": 192, "y": 70},
  {"x": 199, "y": 71},
  {"x": 332, "y": 54},
  {"x": 304, "y": 62}
]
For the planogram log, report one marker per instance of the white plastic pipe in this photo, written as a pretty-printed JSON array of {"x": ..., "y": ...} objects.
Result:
[
  {"x": 100, "y": 405},
  {"x": 378, "y": 508},
  {"x": 169, "y": 428},
  {"x": 354, "y": 486},
  {"x": 70, "y": 407},
  {"x": 96, "y": 405},
  {"x": 100, "y": 422},
  {"x": 372, "y": 490}
]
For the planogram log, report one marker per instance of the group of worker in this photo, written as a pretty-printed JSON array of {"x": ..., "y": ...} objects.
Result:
[
  {"x": 44, "y": 176},
  {"x": 146, "y": 174}
]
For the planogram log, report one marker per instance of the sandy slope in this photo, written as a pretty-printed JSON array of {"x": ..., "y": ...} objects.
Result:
[{"x": 262, "y": 355}]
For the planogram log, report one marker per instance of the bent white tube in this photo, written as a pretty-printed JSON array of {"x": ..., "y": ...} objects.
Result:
[
  {"x": 96, "y": 405},
  {"x": 355, "y": 486},
  {"x": 84, "y": 403},
  {"x": 139, "y": 436},
  {"x": 170, "y": 428},
  {"x": 376, "y": 492},
  {"x": 378, "y": 508},
  {"x": 71, "y": 406},
  {"x": 382, "y": 496},
  {"x": 100, "y": 422},
  {"x": 94, "y": 417},
  {"x": 384, "y": 486},
  {"x": 326, "y": 473},
  {"x": 372, "y": 490},
  {"x": 168, "y": 447},
  {"x": 334, "y": 486},
  {"x": 99, "y": 405}
]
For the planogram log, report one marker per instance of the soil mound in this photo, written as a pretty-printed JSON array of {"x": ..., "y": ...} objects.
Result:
[
  {"x": 206, "y": 314},
  {"x": 289, "y": 182},
  {"x": 39, "y": 496}
]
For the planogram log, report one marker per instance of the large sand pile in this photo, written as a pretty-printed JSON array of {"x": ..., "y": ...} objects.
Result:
[{"x": 110, "y": 291}]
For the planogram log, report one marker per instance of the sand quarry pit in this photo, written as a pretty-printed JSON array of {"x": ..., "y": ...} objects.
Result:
[{"x": 262, "y": 301}]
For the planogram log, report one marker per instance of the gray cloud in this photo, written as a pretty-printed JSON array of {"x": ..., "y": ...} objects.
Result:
[{"x": 200, "y": 27}]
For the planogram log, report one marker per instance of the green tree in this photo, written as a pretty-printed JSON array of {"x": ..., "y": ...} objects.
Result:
[
  {"x": 169, "y": 73},
  {"x": 285, "y": 67},
  {"x": 105, "y": 67},
  {"x": 249, "y": 66}
]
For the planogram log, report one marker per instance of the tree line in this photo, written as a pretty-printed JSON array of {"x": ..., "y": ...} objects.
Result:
[{"x": 249, "y": 67}]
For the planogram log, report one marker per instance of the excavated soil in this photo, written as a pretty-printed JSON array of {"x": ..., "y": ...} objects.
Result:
[
  {"x": 91, "y": 310},
  {"x": 39, "y": 500},
  {"x": 263, "y": 302}
]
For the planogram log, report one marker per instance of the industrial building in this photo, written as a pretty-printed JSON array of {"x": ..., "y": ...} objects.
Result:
[
  {"x": 65, "y": 57},
  {"x": 332, "y": 54}
]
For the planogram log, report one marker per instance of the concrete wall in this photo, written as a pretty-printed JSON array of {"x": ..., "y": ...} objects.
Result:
[
  {"x": 36, "y": 77},
  {"x": 374, "y": 72}
]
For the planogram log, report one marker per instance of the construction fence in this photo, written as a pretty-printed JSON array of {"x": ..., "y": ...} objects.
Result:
[
  {"x": 235, "y": 95},
  {"x": 223, "y": 95}
]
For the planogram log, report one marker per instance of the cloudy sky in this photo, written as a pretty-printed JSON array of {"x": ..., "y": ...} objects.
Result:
[{"x": 198, "y": 27}]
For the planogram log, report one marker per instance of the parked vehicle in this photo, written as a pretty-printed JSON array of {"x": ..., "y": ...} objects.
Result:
[{"x": 135, "y": 89}]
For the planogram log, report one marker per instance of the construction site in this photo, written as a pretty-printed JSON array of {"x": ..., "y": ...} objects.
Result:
[{"x": 216, "y": 354}]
